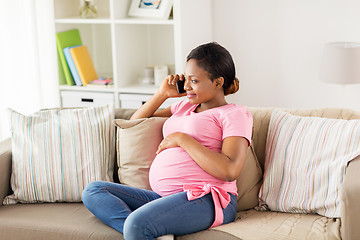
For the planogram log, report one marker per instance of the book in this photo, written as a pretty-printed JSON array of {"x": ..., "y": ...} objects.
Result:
[
  {"x": 102, "y": 81},
  {"x": 72, "y": 66},
  {"x": 62, "y": 80},
  {"x": 84, "y": 64},
  {"x": 66, "y": 39}
]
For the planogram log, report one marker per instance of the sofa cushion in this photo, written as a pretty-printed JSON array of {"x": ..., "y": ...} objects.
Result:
[
  {"x": 57, "y": 152},
  {"x": 59, "y": 221},
  {"x": 52, "y": 221},
  {"x": 209, "y": 234},
  {"x": 136, "y": 145},
  {"x": 254, "y": 224},
  {"x": 137, "y": 142},
  {"x": 306, "y": 159}
]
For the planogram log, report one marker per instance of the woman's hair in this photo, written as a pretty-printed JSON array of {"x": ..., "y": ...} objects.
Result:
[{"x": 217, "y": 61}]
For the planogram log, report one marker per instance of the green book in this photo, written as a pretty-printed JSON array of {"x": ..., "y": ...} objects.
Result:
[{"x": 63, "y": 40}]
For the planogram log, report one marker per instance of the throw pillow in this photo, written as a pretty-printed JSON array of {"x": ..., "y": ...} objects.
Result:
[
  {"x": 56, "y": 152},
  {"x": 137, "y": 142},
  {"x": 136, "y": 145},
  {"x": 305, "y": 163}
]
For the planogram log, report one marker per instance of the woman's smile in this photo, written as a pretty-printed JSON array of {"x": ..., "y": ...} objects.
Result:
[{"x": 190, "y": 95}]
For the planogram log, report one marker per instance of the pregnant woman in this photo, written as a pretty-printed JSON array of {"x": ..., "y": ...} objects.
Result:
[{"x": 203, "y": 151}]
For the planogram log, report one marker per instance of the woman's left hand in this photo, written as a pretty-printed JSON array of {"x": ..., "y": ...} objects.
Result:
[{"x": 172, "y": 140}]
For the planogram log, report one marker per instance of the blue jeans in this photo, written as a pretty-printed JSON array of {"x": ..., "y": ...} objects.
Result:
[{"x": 143, "y": 214}]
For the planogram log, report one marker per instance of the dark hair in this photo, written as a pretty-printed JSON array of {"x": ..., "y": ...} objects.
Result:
[{"x": 217, "y": 61}]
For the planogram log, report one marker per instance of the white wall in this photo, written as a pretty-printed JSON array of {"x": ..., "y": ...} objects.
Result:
[{"x": 277, "y": 48}]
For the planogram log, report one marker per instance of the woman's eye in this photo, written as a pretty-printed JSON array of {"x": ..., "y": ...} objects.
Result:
[{"x": 193, "y": 81}]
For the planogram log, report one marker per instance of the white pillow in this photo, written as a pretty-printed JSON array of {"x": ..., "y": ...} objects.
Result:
[
  {"x": 55, "y": 153},
  {"x": 305, "y": 163}
]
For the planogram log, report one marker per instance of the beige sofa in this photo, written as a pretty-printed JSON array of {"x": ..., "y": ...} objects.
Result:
[{"x": 62, "y": 221}]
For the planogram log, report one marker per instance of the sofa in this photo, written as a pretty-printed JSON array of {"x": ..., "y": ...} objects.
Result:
[{"x": 63, "y": 221}]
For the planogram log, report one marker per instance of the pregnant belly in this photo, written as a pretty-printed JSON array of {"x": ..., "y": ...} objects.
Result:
[{"x": 172, "y": 168}]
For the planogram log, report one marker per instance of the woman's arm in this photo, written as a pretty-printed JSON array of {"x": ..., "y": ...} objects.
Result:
[
  {"x": 226, "y": 165},
  {"x": 165, "y": 91},
  {"x": 149, "y": 109}
]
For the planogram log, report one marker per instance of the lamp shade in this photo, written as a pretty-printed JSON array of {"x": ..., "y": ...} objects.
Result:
[{"x": 341, "y": 63}]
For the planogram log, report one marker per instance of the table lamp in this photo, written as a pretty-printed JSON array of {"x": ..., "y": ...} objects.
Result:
[{"x": 341, "y": 63}]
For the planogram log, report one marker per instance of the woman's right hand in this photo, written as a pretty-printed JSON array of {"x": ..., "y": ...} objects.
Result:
[
  {"x": 168, "y": 86},
  {"x": 166, "y": 90}
]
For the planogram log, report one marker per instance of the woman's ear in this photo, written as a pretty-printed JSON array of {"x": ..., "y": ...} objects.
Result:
[{"x": 219, "y": 82}]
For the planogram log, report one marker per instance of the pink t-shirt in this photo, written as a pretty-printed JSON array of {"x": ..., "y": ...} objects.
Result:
[{"x": 173, "y": 168}]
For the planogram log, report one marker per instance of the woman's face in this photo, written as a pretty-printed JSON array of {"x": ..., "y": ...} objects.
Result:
[{"x": 198, "y": 85}]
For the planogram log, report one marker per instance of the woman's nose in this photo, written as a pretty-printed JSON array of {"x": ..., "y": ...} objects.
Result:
[{"x": 187, "y": 85}]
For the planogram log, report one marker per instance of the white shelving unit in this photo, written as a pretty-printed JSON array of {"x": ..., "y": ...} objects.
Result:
[{"x": 122, "y": 47}]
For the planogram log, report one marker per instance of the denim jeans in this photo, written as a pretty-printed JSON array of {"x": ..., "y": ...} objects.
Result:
[{"x": 143, "y": 214}]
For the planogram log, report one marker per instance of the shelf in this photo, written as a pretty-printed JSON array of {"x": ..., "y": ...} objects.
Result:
[
  {"x": 147, "y": 21},
  {"x": 123, "y": 46},
  {"x": 79, "y": 20},
  {"x": 139, "y": 89},
  {"x": 86, "y": 89},
  {"x": 136, "y": 88}
]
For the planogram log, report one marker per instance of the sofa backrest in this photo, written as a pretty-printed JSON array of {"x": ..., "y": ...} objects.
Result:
[
  {"x": 123, "y": 113},
  {"x": 262, "y": 117}
]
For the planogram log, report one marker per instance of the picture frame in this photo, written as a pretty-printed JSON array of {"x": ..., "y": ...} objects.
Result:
[{"x": 151, "y": 8}]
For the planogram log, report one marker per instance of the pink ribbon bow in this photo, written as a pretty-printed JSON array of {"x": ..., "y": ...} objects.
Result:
[{"x": 220, "y": 197}]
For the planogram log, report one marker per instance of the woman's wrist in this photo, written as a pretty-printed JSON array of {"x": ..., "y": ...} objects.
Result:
[
  {"x": 183, "y": 139},
  {"x": 161, "y": 95}
]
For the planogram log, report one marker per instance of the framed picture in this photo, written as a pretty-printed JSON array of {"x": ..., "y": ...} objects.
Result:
[{"x": 151, "y": 8}]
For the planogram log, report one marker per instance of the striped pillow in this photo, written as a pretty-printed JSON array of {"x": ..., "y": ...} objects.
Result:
[
  {"x": 55, "y": 153},
  {"x": 305, "y": 163}
]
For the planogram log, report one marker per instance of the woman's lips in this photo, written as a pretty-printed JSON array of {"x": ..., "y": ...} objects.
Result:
[{"x": 190, "y": 95}]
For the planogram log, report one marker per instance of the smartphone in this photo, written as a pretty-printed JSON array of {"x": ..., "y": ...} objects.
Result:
[{"x": 180, "y": 86}]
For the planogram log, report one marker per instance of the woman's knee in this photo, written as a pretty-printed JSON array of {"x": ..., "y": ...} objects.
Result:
[
  {"x": 91, "y": 189},
  {"x": 137, "y": 226}
]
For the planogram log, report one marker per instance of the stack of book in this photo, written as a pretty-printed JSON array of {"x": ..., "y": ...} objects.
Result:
[
  {"x": 76, "y": 66},
  {"x": 101, "y": 83}
]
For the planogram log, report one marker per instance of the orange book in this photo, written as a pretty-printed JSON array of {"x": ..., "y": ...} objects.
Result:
[{"x": 84, "y": 64}]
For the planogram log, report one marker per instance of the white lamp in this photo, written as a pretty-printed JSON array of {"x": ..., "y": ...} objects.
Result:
[{"x": 341, "y": 63}]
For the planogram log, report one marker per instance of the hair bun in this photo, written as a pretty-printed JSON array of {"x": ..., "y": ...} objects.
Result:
[{"x": 233, "y": 88}]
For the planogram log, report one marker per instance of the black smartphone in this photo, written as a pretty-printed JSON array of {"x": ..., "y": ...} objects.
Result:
[{"x": 180, "y": 86}]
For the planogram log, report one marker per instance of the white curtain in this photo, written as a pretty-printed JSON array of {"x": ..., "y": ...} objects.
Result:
[{"x": 28, "y": 61}]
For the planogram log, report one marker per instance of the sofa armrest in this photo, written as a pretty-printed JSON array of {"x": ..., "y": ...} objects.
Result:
[
  {"x": 350, "y": 202},
  {"x": 5, "y": 168}
]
